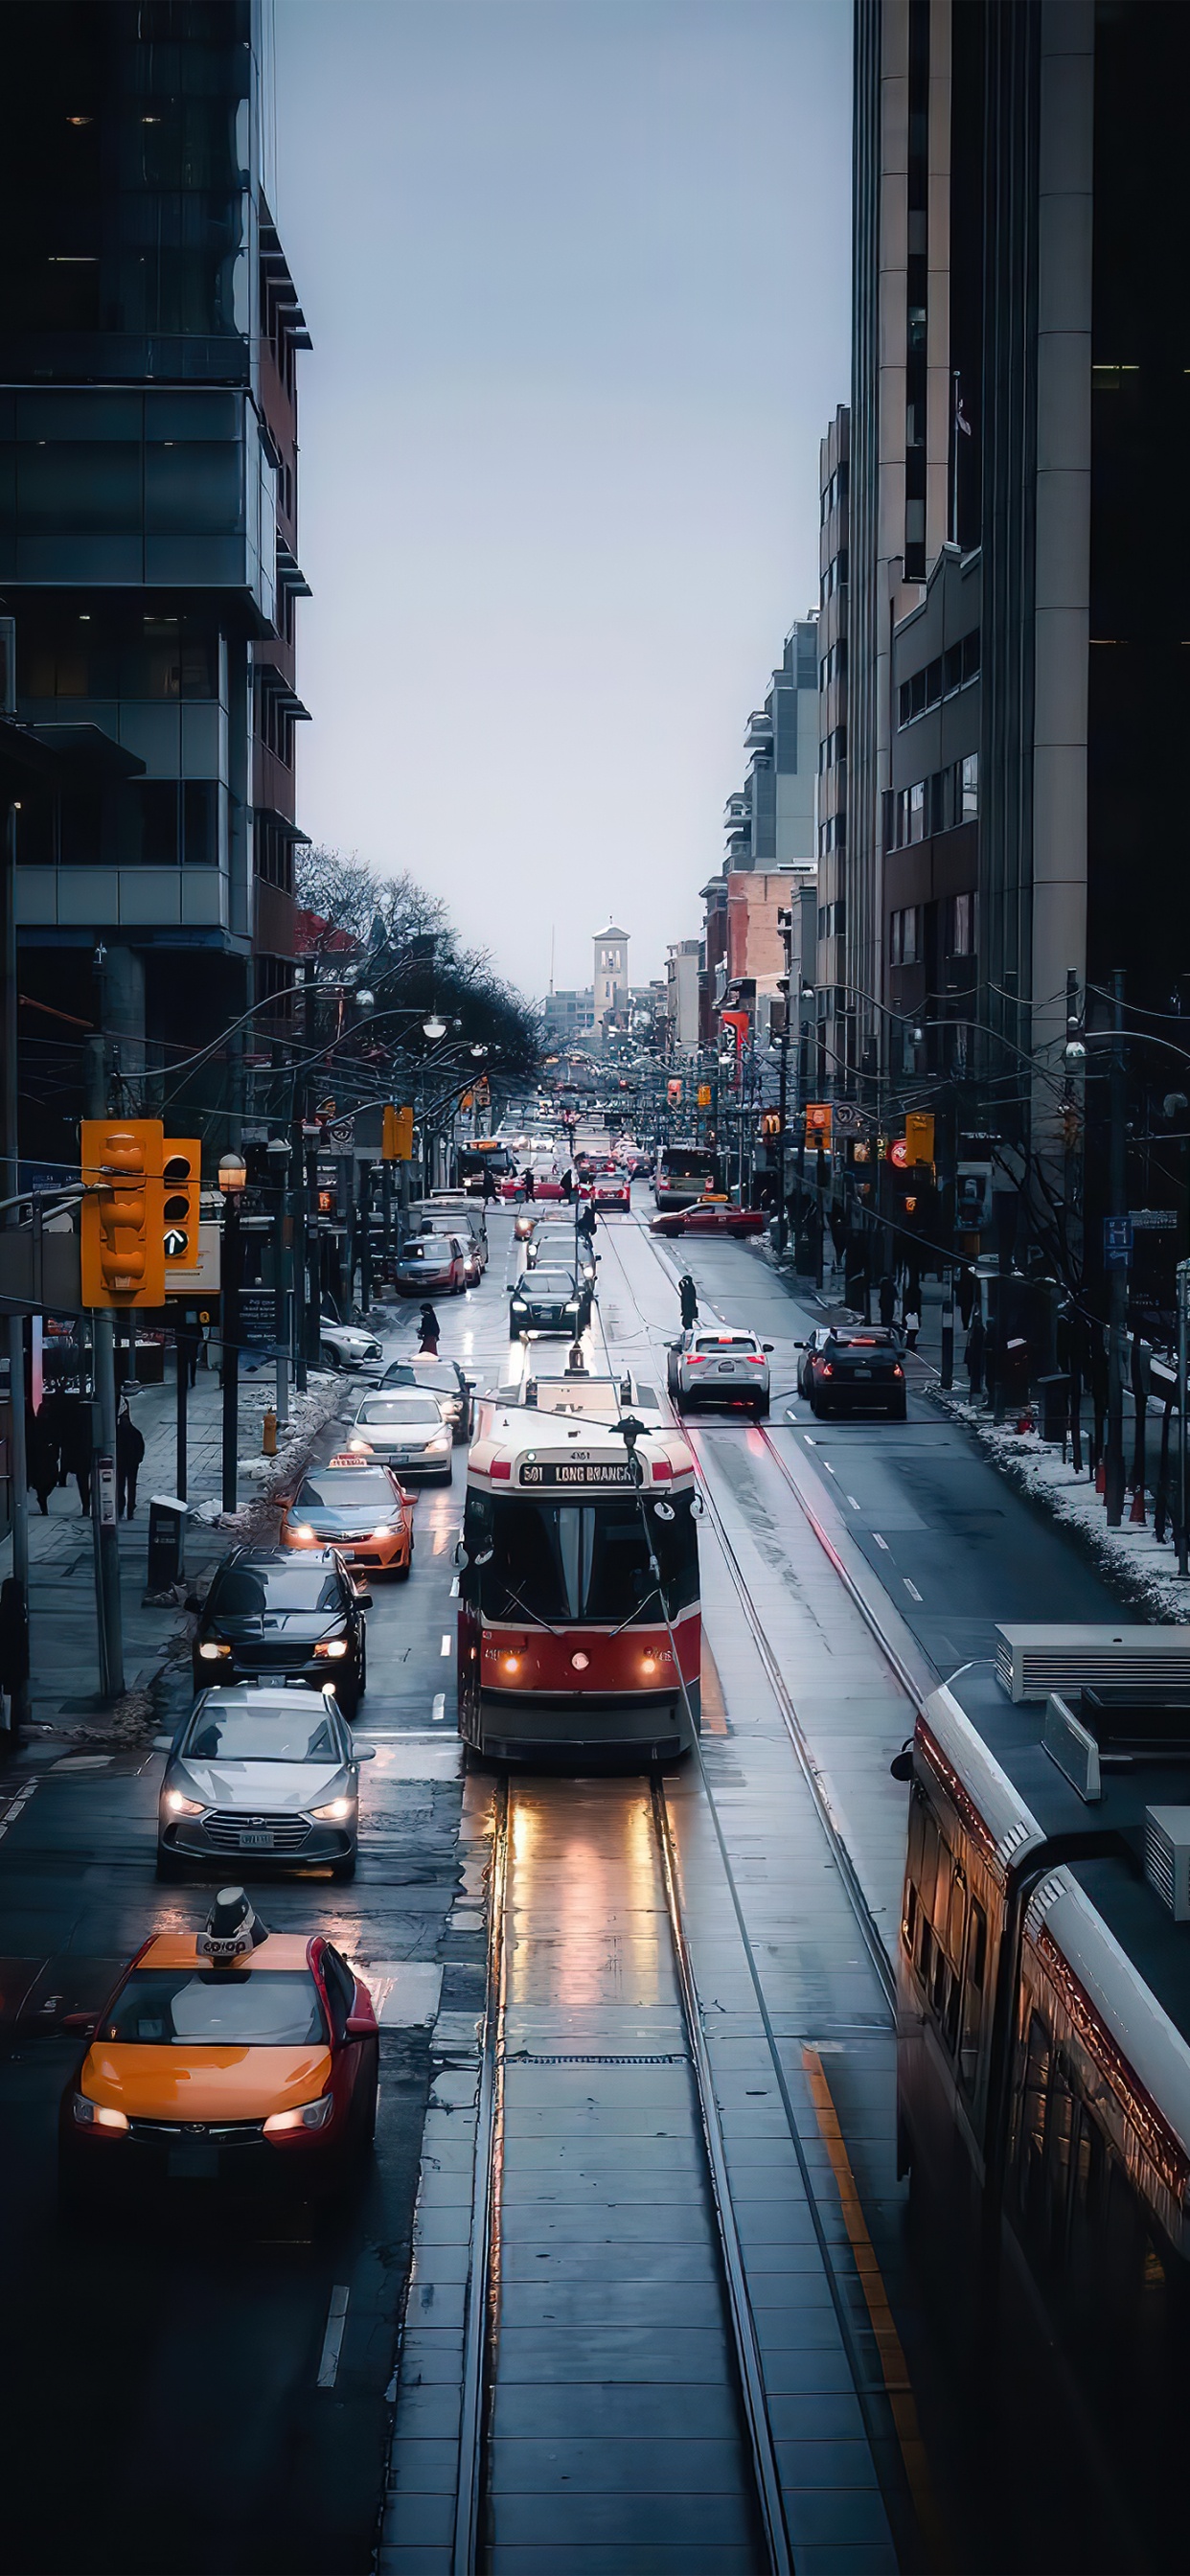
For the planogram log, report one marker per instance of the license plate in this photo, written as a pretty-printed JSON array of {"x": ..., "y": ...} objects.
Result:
[
  {"x": 862, "y": 1372},
  {"x": 196, "y": 2163},
  {"x": 726, "y": 1368},
  {"x": 256, "y": 1842}
]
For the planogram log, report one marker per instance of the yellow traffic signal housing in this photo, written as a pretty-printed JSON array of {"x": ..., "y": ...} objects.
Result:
[
  {"x": 919, "y": 1135},
  {"x": 122, "y": 1245},
  {"x": 397, "y": 1135},
  {"x": 181, "y": 1174}
]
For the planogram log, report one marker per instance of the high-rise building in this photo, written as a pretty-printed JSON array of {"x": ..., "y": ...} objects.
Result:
[
  {"x": 1018, "y": 565},
  {"x": 834, "y": 1020},
  {"x": 770, "y": 820},
  {"x": 149, "y": 329}
]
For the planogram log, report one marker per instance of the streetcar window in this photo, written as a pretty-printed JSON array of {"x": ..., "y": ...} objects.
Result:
[
  {"x": 1031, "y": 2161},
  {"x": 570, "y": 1561}
]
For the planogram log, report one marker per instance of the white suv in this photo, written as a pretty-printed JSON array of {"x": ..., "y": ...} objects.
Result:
[{"x": 720, "y": 1365}]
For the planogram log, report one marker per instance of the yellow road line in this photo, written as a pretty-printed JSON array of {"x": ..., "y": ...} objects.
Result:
[{"x": 898, "y": 2387}]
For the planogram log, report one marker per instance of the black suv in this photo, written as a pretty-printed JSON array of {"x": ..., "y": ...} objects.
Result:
[{"x": 273, "y": 1615}]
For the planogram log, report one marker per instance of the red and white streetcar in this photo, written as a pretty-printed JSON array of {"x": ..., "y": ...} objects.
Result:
[{"x": 580, "y": 1631}]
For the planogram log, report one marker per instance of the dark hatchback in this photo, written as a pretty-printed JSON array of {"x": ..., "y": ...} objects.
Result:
[
  {"x": 854, "y": 1372},
  {"x": 549, "y": 1301},
  {"x": 271, "y": 1615}
]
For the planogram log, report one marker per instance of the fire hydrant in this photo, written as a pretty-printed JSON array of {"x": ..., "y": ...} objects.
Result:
[{"x": 269, "y": 1440}]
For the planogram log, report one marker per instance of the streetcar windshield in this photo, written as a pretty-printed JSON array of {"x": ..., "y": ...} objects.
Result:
[
  {"x": 560, "y": 1562},
  {"x": 686, "y": 1163}
]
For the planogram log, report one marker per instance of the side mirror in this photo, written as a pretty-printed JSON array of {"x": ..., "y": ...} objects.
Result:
[
  {"x": 901, "y": 1766},
  {"x": 360, "y": 2026},
  {"x": 87, "y": 2021},
  {"x": 365, "y": 1600},
  {"x": 766, "y": 1346},
  {"x": 163, "y": 1744},
  {"x": 363, "y": 1753},
  {"x": 798, "y": 1346},
  {"x": 461, "y": 1556}
]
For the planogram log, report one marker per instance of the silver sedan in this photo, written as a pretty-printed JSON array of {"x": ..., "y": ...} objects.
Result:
[
  {"x": 270, "y": 1776},
  {"x": 406, "y": 1428}
]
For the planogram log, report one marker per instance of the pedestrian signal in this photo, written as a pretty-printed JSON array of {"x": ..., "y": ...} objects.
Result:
[
  {"x": 181, "y": 1174},
  {"x": 122, "y": 1243},
  {"x": 818, "y": 1122},
  {"x": 770, "y": 1124},
  {"x": 397, "y": 1139},
  {"x": 704, "y": 1095},
  {"x": 673, "y": 1093}
]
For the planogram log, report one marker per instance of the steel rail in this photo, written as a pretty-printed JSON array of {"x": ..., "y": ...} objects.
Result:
[{"x": 481, "y": 2321}]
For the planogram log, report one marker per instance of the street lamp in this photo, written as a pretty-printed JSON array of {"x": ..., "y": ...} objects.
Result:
[
  {"x": 233, "y": 1174},
  {"x": 434, "y": 1027},
  {"x": 278, "y": 1150}
]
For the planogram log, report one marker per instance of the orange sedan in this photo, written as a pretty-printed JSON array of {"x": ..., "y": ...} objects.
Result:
[
  {"x": 357, "y": 1506},
  {"x": 256, "y": 2072}
]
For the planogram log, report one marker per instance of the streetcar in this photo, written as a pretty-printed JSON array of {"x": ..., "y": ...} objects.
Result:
[
  {"x": 579, "y": 1626},
  {"x": 684, "y": 1173},
  {"x": 1043, "y": 2070}
]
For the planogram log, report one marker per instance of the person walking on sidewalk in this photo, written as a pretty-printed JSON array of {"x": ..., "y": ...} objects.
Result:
[
  {"x": 42, "y": 1466},
  {"x": 965, "y": 1294},
  {"x": 75, "y": 1446},
  {"x": 911, "y": 1316},
  {"x": 427, "y": 1333},
  {"x": 689, "y": 1297},
  {"x": 887, "y": 1293},
  {"x": 488, "y": 1185},
  {"x": 974, "y": 1354},
  {"x": 130, "y": 1450}
]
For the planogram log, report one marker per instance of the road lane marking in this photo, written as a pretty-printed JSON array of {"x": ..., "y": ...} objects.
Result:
[
  {"x": 881, "y": 1542},
  {"x": 332, "y": 2341},
  {"x": 438, "y": 1710},
  {"x": 854, "y": 1505},
  {"x": 454, "y": 1589},
  {"x": 911, "y": 1588},
  {"x": 446, "y": 1645}
]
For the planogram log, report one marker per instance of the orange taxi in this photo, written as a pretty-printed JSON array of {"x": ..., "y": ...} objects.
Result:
[
  {"x": 357, "y": 1506},
  {"x": 256, "y": 2071}
]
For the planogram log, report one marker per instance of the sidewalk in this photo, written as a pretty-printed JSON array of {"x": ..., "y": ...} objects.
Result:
[{"x": 64, "y": 1655}]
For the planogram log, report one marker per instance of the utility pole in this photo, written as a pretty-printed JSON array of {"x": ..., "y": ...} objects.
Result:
[
  {"x": 103, "y": 1444},
  {"x": 1118, "y": 1312},
  {"x": 18, "y": 1478},
  {"x": 298, "y": 1200},
  {"x": 230, "y": 1329},
  {"x": 1183, "y": 1336}
]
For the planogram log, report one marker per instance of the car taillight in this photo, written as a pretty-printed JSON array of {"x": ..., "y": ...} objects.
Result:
[
  {"x": 662, "y": 1472},
  {"x": 828, "y": 1368},
  {"x": 898, "y": 1371},
  {"x": 756, "y": 1359},
  {"x": 696, "y": 1359}
]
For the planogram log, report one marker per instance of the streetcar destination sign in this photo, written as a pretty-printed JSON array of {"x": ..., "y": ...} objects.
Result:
[{"x": 576, "y": 1471}]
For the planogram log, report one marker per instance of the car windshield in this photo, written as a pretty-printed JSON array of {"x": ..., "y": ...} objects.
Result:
[
  {"x": 551, "y": 1283},
  {"x": 346, "y": 1490},
  {"x": 564, "y": 1561},
  {"x": 217, "y": 2008},
  {"x": 254, "y": 1734},
  {"x": 248, "y": 1591},
  {"x": 441, "y": 1375},
  {"x": 413, "y": 1407}
]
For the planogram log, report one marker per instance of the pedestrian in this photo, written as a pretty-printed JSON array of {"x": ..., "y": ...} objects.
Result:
[
  {"x": 887, "y": 1293},
  {"x": 586, "y": 1223},
  {"x": 689, "y": 1297},
  {"x": 527, "y": 1182},
  {"x": 488, "y": 1185},
  {"x": 130, "y": 1450},
  {"x": 568, "y": 1184},
  {"x": 427, "y": 1333},
  {"x": 965, "y": 1293},
  {"x": 911, "y": 1317},
  {"x": 41, "y": 1474},
  {"x": 974, "y": 1352},
  {"x": 75, "y": 1447}
]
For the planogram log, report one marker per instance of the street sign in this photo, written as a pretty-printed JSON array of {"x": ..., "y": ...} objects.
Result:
[
  {"x": 1117, "y": 1242},
  {"x": 848, "y": 1120},
  {"x": 257, "y": 1308},
  {"x": 1153, "y": 1220},
  {"x": 340, "y": 1132}
]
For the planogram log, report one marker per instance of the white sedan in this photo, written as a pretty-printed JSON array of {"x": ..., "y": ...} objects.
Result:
[
  {"x": 406, "y": 1429},
  {"x": 720, "y": 1366}
]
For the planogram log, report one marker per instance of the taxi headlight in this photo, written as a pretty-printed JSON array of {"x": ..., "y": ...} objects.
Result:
[
  {"x": 179, "y": 1805},
  {"x": 303, "y": 1530},
  {"x": 312, "y": 2115},
  {"x": 336, "y": 1813},
  {"x": 96, "y": 2115},
  {"x": 209, "y": 1650},
  {"x": 332, "y": 1646}
]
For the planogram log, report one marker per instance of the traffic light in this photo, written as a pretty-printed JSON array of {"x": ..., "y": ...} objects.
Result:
[
  {"x": 397, "y": 1138},
  {"x": 181, "y": 1174},
  {"x": 122, "y": 1245},
  {"x": 919, "y": 1135},
  {"x": 770, "y": 1124}
]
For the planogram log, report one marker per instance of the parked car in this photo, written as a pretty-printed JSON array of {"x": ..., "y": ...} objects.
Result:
[
  {"x": 405, "y": 1427},
  {"x": 446, "y": 1381},
  {"x": 723, "y": 1366},
  {"x": 432, "y": 1265},
  {"x": 854, "y": 1371},
  {"x": 270, "y": 1613},
  {"x": 356, "y": 1505},
  {"x": 549, "y": 1301},
  {"x": 274, "y": 1772},
  {"x": 347, "y": 1346}
]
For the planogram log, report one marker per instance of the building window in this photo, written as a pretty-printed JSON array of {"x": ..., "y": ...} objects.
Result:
[
  {"x": 917, "y": 811},
  {"x": 970, "y": 786},
  {"x": 200, "y": 817},
  {"x": 158, "y": 800},
  {"x": 904, "y": 936},
  {"x": 962, "y": 933}
]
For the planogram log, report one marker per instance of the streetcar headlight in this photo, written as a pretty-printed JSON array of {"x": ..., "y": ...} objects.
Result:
[
  {"x": 512, "y": 1663},
  {"x": 580, "y": 1662},
  {"x": 648, "y": 1663}
]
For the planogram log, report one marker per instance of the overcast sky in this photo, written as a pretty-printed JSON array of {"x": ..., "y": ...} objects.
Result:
[{"x": 577, "y": 273}]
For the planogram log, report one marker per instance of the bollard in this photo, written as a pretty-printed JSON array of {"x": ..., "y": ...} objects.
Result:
[
  {"x": 1137, "y": 1512},
  {"x": 269, "y": 1437}
]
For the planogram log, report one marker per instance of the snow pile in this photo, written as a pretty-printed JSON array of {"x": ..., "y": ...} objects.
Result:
[
  {"x": 309, "y": 1414},
  {"x": 1130, "y": 1555}
]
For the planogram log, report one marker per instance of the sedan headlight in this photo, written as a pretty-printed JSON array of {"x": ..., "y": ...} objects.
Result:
[
  {"x": 210, "y": 1650},
  {"x": 386, "y": 1529},
  {"x": 312, "y": 2115},
  {"x": 179, "y": 1805},
  {"x": 334, "y": 1646},
  {"x": 440, "y": 1441},
  {"x": 336, "y": 1813},
  {"x": 96, "y": 2115},
  {"x": 303, "y": 1530}
]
